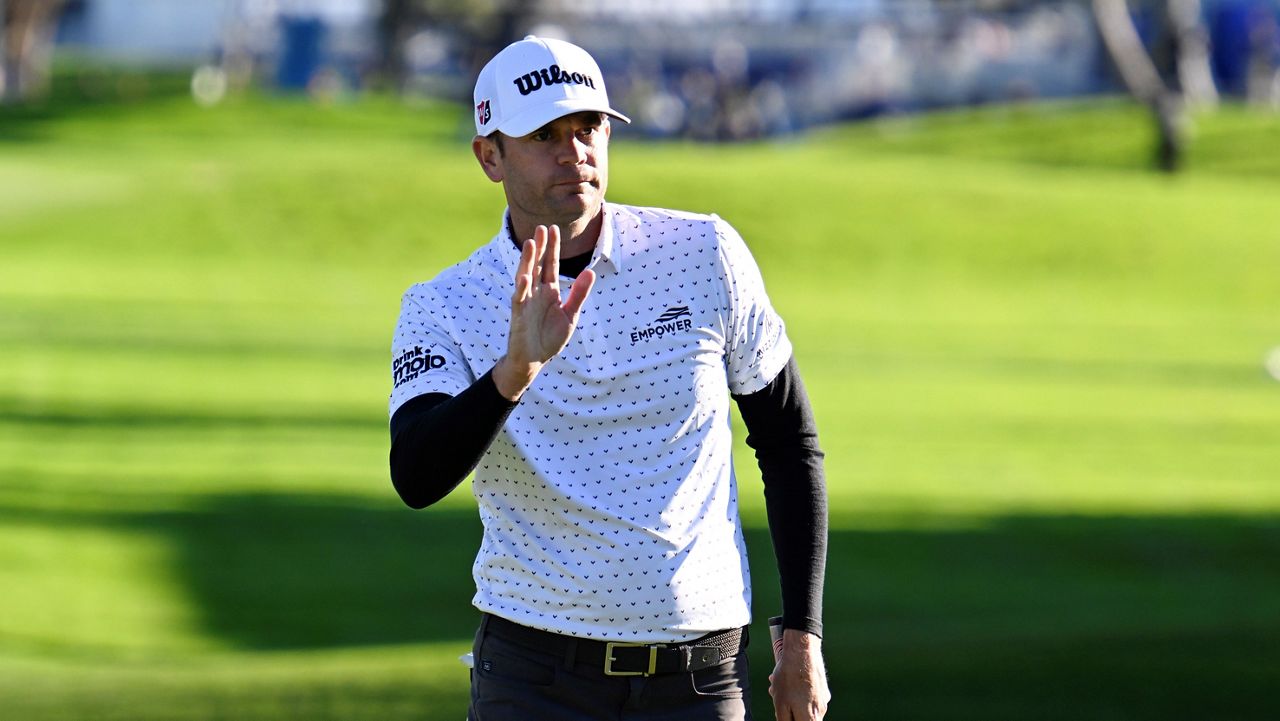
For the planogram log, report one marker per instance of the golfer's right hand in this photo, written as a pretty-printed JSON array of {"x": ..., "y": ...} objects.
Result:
[{"x": 540, "y": 325}]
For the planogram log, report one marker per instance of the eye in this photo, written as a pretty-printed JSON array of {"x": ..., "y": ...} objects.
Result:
[{"x": 540, "y": 135}]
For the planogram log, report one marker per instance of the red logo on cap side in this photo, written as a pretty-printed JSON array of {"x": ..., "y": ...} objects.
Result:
[{"x": 483, "y": 113}]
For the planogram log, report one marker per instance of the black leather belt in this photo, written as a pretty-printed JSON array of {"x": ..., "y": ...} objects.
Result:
[{"x": 620, "y": 658}]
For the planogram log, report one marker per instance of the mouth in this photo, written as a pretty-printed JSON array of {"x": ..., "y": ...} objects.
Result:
[{"x": 578, "y": 182}]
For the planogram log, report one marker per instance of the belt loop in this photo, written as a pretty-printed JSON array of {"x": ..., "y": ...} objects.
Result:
[
  {"x": 570, "y": 653},
  {"x": 686, "y": 658}
]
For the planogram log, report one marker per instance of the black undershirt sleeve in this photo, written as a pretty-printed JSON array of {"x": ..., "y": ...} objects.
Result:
[
  {"x": 437, "y": 439},
  {"x": 782, "y": 432}
]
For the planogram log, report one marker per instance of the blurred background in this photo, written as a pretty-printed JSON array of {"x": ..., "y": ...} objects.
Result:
[
  {"x": 706, "y": 69},
  {"x": 1028, "y": 253}
]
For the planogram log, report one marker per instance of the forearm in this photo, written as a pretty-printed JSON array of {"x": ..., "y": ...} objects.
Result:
[
  {"x": 797, "y": 513},
  {"x": 783, "y": 434},
  {"x": 437, "y": 439},
  {"x": 513, "y": 377}
]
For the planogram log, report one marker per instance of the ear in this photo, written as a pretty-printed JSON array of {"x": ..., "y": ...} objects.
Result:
[{"x": 486, "y": 152}]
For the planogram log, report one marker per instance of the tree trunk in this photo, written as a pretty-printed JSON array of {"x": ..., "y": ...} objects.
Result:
[{"x": 394, "y": 28}]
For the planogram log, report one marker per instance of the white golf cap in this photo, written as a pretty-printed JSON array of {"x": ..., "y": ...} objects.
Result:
[{"x": 534, "y": 81}]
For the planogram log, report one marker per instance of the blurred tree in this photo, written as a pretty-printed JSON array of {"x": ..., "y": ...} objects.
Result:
[
  {"x": 1171, "y": 79},
  {"x": 26, "y": 46},
  {"x": 395, "y": 26},
  {"x": 484, "y": 26}
]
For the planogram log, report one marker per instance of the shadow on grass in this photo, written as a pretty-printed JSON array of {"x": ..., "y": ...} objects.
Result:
[
  {"x": 1017, "y": 617},
  {"x": 1033, "y": 617},
  {"x": 272, "y": 571}
]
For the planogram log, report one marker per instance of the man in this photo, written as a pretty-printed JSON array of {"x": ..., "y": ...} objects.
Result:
[{"x": 581, "y": 363}]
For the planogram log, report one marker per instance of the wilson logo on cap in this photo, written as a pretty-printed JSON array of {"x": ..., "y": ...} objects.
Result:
[
  {"x": 553, "y": 75},
  {"x": 483, "y": 112}
]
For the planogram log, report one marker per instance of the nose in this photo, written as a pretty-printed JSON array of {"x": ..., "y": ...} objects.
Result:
[{"x": 574, "y": 151}]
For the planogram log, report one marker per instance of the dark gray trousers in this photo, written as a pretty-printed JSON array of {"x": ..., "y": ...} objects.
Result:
[{"x": 513, "y": 682}]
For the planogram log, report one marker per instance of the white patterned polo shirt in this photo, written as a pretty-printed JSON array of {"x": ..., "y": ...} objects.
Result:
[{"x": 608, "y": 498}]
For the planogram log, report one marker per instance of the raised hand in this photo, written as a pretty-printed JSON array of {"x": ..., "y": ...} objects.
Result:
[{"x": 540, "y": 325}]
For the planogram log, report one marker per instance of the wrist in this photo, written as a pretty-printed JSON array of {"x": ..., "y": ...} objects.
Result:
[
  {"x": 513, "y": 378},
  {"x": 798, "y": 640}
]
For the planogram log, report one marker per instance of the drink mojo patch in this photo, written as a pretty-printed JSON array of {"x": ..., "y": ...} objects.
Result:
[{"x": 413, "y": 363}]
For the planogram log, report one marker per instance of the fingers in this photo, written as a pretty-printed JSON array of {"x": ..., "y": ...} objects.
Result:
[
  {"x": 524, "y": 272},
  {"x": 797, "y": 709},
  {"x": 551, "y": 254},
  {"x": 533, "y": 268},
  {"x": 578, "y": 293},
  {"x": 539, "y": 253},
  {"x": 540, "y": 257},
  {"x": 540, "y": 267}
]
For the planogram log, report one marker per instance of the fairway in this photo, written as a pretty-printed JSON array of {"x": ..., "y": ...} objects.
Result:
[{"x": 1053, "y": 450}]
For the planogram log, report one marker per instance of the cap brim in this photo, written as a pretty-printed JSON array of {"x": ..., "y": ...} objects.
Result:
[{"x": 535, "y": 118}]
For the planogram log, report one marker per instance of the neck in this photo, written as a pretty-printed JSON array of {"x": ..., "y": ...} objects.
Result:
[{"x": 576, "y": 237}]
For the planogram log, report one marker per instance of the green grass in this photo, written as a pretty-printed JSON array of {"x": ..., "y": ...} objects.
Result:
[{"x": 1053, "y": 451}]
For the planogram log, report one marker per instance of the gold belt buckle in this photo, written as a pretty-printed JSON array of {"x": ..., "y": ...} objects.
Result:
[{"x": 609, "y": 659}]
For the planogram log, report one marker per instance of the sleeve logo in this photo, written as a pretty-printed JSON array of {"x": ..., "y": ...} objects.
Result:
[{"x": 413, "y": 363}]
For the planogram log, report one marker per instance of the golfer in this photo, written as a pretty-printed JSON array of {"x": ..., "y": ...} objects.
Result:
[{"x": 582, "y": 364}]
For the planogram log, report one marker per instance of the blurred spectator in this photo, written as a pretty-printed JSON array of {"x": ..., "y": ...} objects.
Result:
[{"x": 705, "y": 69}]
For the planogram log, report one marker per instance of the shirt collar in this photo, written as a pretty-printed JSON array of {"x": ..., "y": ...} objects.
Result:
[
  {"x": 606, "y": 250},
  {"x": 607, "y": 244},
  {"x": 507, "y": 249}
]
